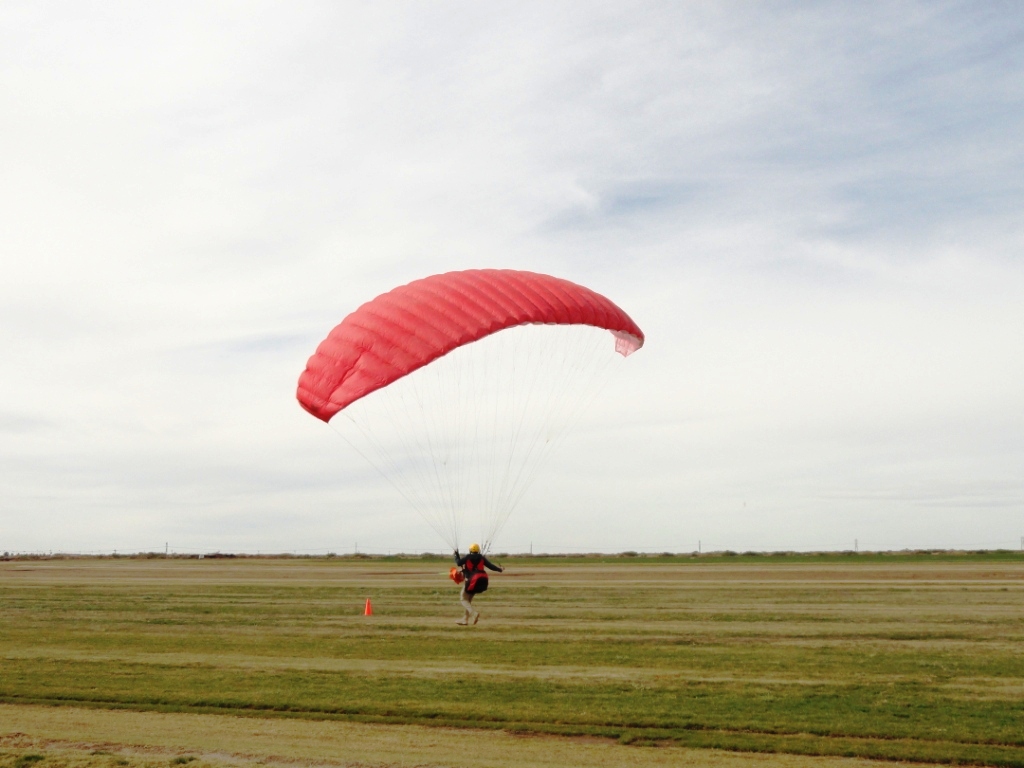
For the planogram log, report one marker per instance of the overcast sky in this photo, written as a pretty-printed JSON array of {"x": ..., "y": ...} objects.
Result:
[{"x": 815, "y": 211}]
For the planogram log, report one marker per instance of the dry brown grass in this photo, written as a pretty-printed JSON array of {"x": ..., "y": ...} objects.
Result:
[{"x": 68, "y": 737}]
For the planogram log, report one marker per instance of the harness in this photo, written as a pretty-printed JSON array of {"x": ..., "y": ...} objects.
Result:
[
  {"x": 476, "y": 575},
  {"x": 474, "y": 570}
]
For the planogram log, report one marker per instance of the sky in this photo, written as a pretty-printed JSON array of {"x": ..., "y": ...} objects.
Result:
[{"x": 815, "y": 211}]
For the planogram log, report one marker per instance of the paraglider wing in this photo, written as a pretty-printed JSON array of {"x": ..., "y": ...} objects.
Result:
[{"x": 410, "y": 326}]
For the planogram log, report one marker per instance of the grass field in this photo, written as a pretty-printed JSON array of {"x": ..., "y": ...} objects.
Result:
[{"x": 886, "y": 657}]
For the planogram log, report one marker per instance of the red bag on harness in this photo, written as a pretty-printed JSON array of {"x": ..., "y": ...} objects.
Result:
[
  {"x": 477, "y": 583},
  {"x": 455, "y": 574}
]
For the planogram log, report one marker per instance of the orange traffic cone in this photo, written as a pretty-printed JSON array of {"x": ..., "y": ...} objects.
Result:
[{"x": 368, "y": 611}]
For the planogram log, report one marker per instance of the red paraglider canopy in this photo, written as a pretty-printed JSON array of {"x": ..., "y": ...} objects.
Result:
[{"x": 410, "y": 326}]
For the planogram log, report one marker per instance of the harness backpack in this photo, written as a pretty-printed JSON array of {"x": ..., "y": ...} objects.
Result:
[{"x": 476, "y": 575}]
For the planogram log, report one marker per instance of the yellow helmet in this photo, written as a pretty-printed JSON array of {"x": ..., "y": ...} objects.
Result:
[{"x": 474, "y": 548}]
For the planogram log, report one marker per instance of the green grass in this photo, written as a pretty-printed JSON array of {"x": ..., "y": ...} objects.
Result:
[{"x": 904, "y": 657}]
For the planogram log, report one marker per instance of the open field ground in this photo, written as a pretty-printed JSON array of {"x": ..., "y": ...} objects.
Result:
[
  {"x": 913, "y": 658},
  {"x": 68, "y": 736}
]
